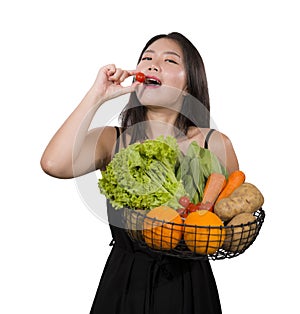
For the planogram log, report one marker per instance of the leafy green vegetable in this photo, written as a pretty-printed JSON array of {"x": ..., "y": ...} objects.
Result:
[
  {"x": 195, "y": 168},
  {"x": 143, "y": 175},
  {"x": 155, "y": 172}
]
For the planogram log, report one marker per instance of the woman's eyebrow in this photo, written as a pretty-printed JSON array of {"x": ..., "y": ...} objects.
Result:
[
  {"x": 165, "y": 52},
  {"x": 172, "y": 53}
]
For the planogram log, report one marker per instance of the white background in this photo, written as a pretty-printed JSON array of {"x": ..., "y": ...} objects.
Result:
[{"x": 53, "y": 249}]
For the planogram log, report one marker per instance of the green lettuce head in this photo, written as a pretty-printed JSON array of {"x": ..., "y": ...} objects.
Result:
[{"x": 143, "y": 175}]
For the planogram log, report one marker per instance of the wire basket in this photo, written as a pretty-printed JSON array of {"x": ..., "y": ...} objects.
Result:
[{"x": 191, "y": 241}]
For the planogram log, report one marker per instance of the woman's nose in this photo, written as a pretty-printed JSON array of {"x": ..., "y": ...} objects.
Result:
[{"x": 153, "y": 68}]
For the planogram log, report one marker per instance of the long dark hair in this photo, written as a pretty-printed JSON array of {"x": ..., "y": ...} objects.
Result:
[{"x": 195, "y": 110}]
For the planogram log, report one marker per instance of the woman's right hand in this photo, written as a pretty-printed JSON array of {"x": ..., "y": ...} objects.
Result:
[{"x": 108, "y": 82}]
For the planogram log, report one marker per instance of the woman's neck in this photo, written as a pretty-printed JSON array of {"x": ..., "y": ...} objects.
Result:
[{"x": 161, "y": 121}]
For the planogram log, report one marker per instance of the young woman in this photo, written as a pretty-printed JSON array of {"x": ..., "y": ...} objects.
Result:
[{"x": 173, "y": 101}]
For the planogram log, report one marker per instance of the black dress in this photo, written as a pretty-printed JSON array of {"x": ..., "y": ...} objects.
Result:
[{"x": 138, "y": 281}]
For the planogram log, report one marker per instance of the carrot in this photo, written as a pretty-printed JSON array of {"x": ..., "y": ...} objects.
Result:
[
  {"x": 235, "y": 179},
  {"x": 213, "y": 187}
]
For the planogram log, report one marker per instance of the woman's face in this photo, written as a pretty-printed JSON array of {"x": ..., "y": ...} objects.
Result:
[{"x": 163, "y": 65}]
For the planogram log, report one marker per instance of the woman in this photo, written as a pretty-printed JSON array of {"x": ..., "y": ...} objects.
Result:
[{"x": 173, "y": 101}]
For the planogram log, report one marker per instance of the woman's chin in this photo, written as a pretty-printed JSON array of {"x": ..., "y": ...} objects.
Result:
[{"x": 160, "y": 97}]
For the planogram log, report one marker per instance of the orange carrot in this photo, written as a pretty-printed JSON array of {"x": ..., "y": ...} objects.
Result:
[
  {"x": 213, "y": 187},
  {"x": 235, "y": 179}
]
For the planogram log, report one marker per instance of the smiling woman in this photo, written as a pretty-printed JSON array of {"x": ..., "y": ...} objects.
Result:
[
  {"x": 172, "y": 100},
  {"x": 163, "y": 65}
]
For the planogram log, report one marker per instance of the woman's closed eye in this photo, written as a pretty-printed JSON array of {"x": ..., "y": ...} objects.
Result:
[
  {"x": 166, "y": 60},
  {"x": 171, "y": 61}
]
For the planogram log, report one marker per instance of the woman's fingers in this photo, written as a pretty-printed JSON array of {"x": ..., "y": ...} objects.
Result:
[
  {"x": 109, "y": 82},
  {"x": 118, "y": 75}
]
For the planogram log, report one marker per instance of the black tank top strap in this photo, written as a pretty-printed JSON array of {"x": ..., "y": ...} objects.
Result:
[
  {"x": 209, "y": 133},
  {"x": 117, "y": 139}
]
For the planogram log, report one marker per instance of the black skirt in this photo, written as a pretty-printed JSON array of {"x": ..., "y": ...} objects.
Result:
[{"x": 138, "y": 281}]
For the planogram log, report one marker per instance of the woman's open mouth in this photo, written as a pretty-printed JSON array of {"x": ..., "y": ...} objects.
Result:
[{"x": 152, "y": 81}]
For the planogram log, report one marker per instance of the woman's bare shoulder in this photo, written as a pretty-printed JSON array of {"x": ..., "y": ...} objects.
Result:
[
  {"x": 219, "y": 143},
  {"x": 105, "y": 134}
]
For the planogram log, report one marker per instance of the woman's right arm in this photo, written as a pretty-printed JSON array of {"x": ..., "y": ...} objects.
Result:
[{"x": 74, "y": 150}]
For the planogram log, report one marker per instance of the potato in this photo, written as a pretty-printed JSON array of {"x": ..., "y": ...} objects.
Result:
[
  {"x": 239, "y": 237},
  {"x": 245, "y": 199}
]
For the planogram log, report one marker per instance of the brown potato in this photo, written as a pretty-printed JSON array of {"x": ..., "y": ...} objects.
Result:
[
  {"x": 239, "y": 237},
  {"x": 245, "y": 199}
]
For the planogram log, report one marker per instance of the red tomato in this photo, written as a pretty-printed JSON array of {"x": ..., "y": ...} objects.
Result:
[
  {"x": 140, "y": 77},
  {"x": 184, "y": 215},
  {"x": 199, "y": 206},
  {"x": 206, "y": 206},
  {"x": 184, "y": 201},
  {"x": 192, "y": 208},
  {"x": 181, "y": 211}
]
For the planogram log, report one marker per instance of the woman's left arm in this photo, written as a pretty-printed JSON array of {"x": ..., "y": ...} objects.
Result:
[{"x": 222, "y": 147}]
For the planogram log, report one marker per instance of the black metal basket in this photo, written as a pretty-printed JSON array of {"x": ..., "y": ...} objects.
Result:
[{"x": 191, "y": 241}]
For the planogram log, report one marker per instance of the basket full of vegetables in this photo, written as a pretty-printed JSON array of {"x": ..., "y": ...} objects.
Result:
[{"x": 183, "y": 205}]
